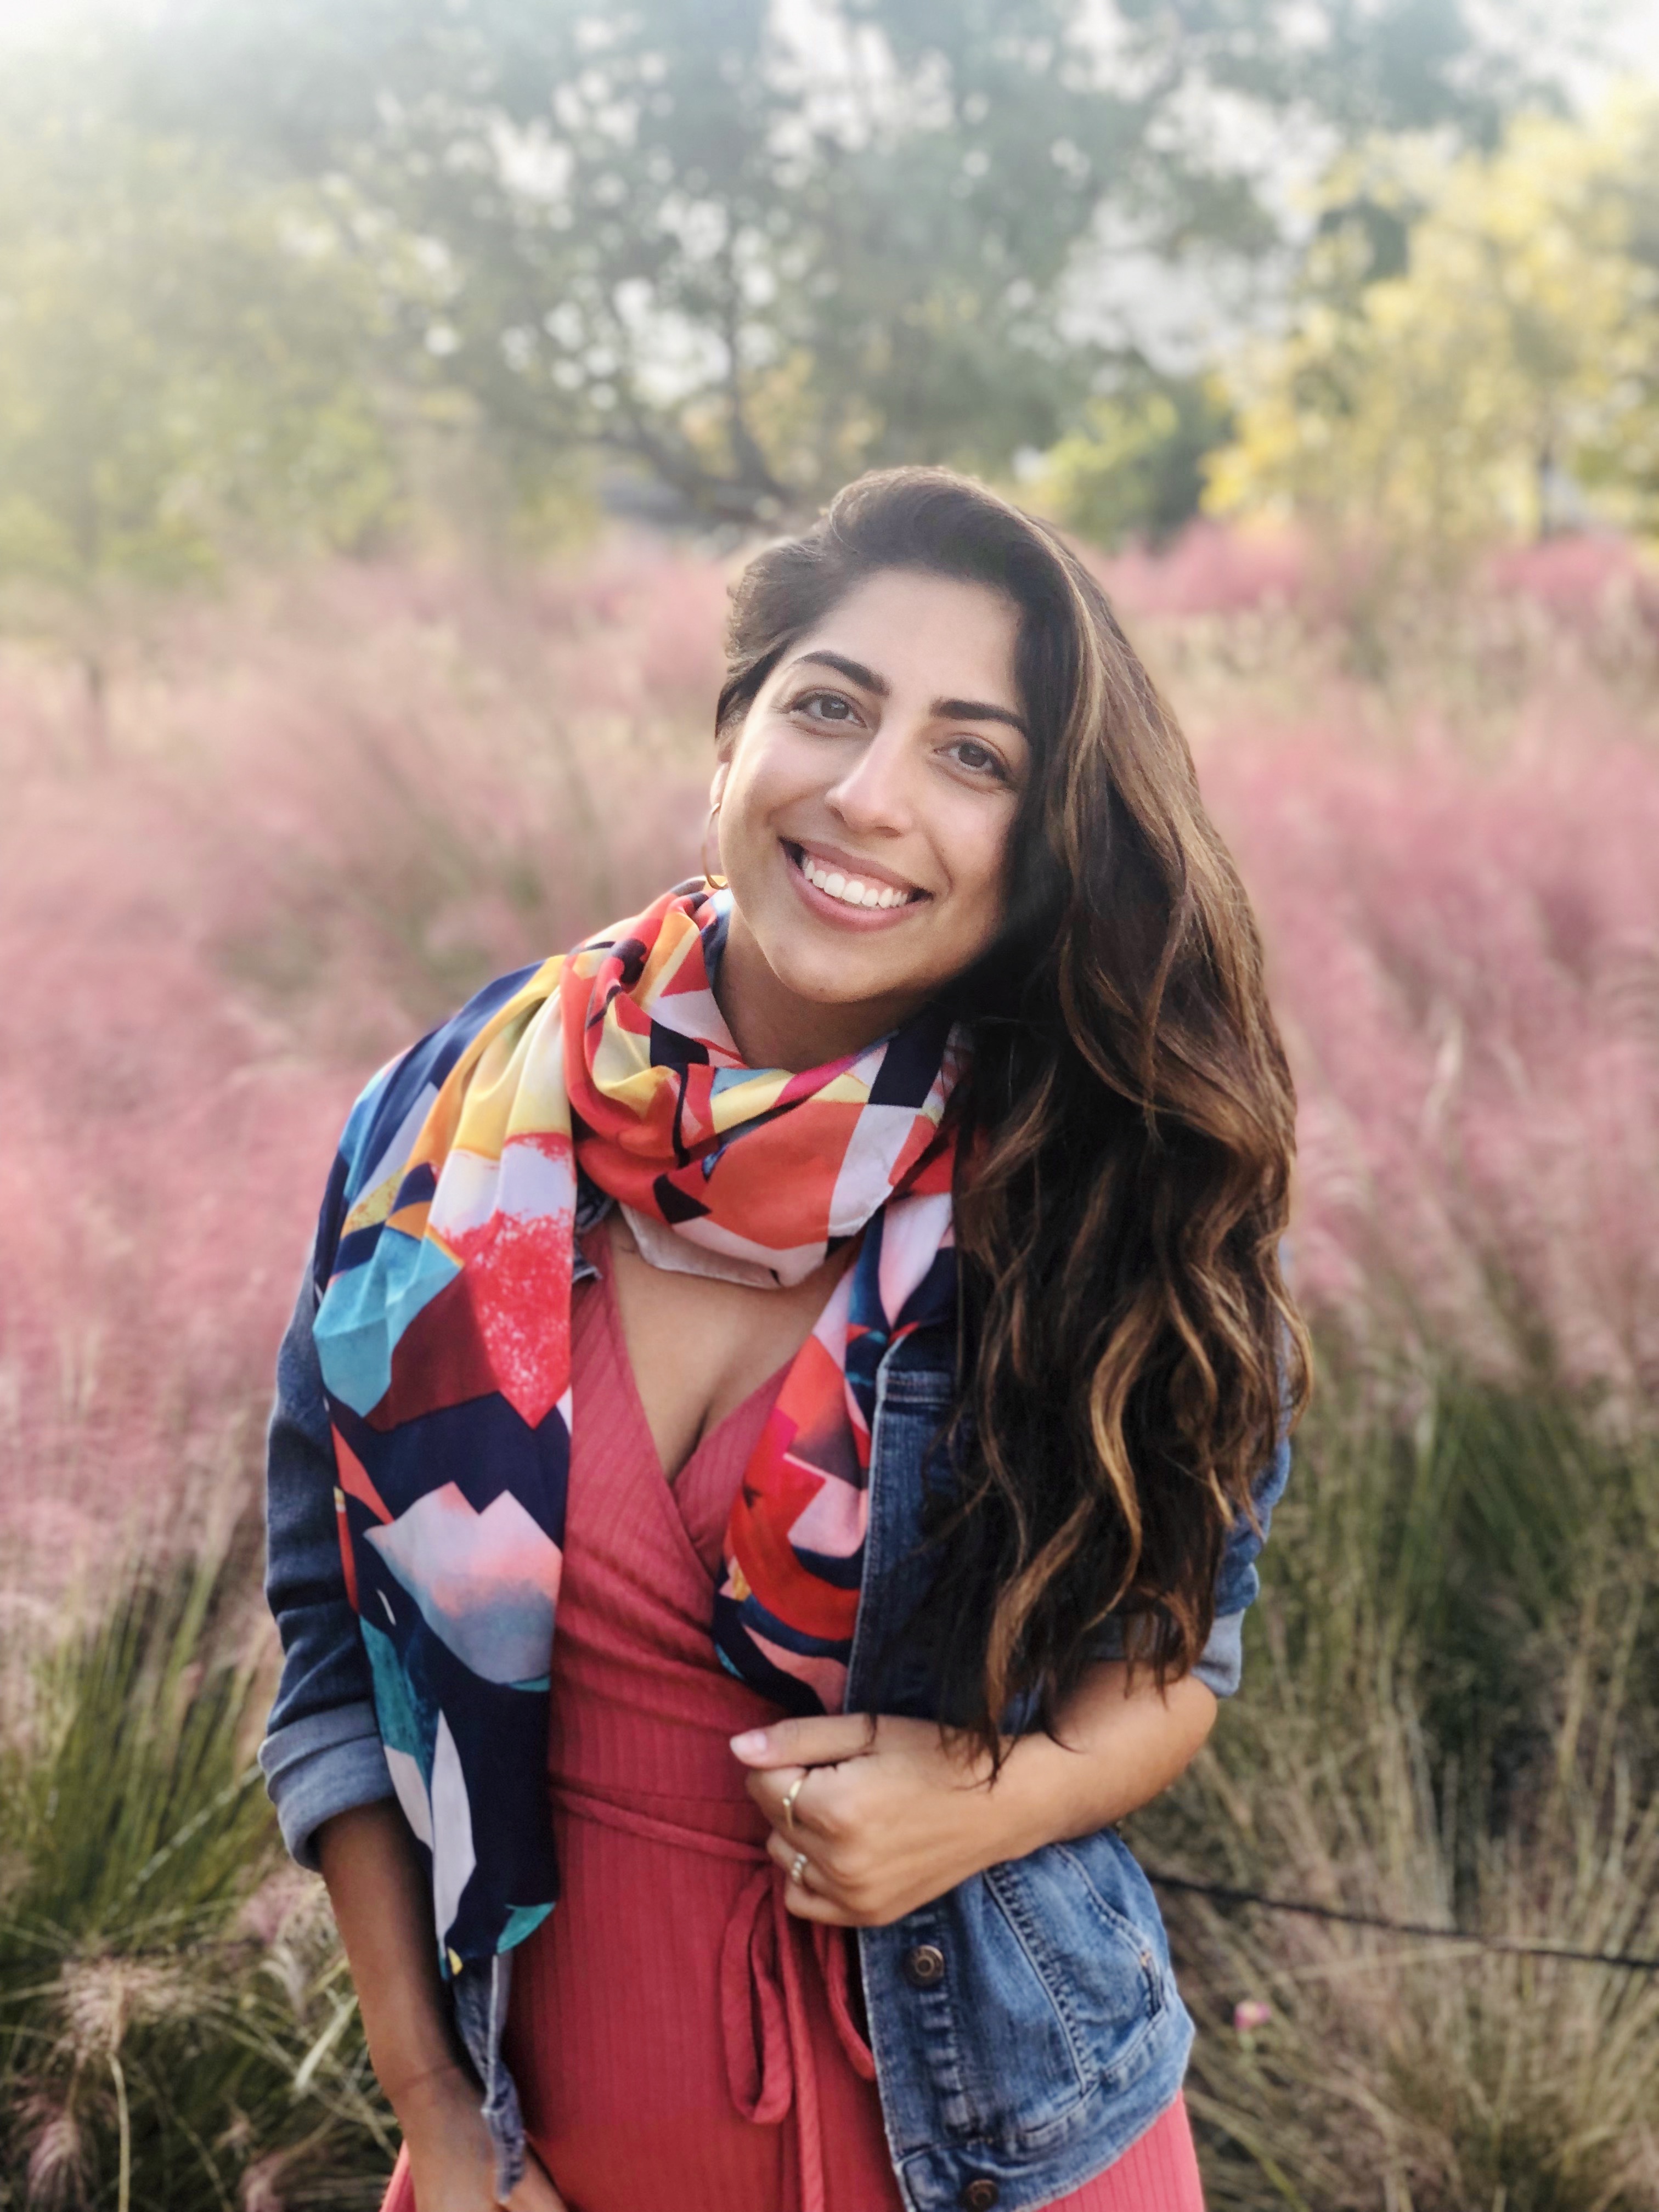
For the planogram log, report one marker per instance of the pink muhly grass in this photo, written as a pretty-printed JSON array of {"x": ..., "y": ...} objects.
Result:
[
  {"x": 1208, "y": 570},
  {"x": 1581, "y": 582},
  {"x": 1445, "y": 804},
  {"x": 329, "y": 812},
  {"x": 333, "y": 805},
  {"x": 1466, "y": 963}
]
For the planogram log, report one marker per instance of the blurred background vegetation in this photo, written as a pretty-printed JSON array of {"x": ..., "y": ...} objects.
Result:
[
  {"x": 388, "y": 391},
  {"x": 325, "y": 274}
]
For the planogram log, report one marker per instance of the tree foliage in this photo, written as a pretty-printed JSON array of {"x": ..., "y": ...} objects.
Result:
[
  {"x": 1135, "y": 466},
  {"x": 751, "y": 249},
  {"x": 181, "y": 357},
  {"x": 1503, "y": 378}
]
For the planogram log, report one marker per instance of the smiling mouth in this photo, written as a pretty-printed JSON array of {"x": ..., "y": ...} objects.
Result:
[{"x": 849, "y": 890}]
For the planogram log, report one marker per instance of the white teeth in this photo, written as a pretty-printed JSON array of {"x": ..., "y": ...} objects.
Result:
[{"x": 851, "y": 890}]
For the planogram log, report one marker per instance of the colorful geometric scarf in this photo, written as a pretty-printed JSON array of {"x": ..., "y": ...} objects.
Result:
[{"x": 447, "y": 1245}]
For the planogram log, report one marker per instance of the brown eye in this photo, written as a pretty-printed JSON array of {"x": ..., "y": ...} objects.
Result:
[
  {"x": 970, "y": 754},
  {"x": 830, "y": 705}
]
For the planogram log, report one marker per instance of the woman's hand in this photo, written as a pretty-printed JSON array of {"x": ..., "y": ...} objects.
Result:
[
  {"x": 451, "y": 2160},
  {"x": 888, "y": 1814},
  {"x": 382, "y": 1899},
  {"x": 891, "y": 1813}
]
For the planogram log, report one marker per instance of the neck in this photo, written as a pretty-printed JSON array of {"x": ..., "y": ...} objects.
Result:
[{"x": 772, "y": 1026}]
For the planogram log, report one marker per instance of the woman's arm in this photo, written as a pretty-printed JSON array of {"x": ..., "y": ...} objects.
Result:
[
  {"x": 384, "y": 1909},
  {"x": 890, "y": 1815},
  {"x": 327, "y": 1773},
  {"x": 322, "y": 1754}
]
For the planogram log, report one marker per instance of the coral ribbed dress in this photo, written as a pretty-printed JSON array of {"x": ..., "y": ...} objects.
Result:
[{"x": 681, "y": 2043}]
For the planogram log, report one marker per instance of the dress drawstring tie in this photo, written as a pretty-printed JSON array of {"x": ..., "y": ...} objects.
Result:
[{"x": 769, "y": 2066}]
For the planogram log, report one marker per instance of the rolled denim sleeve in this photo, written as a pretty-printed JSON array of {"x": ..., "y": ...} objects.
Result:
[
  {"x": 1219, "y": 1665},
  {"x": 322, "y": 1753}
]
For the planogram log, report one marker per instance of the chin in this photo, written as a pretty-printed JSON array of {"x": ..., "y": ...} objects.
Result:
[{"x": 819, "y": 987}]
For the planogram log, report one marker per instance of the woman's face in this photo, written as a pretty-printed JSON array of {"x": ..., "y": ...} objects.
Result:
[{"x": 866, "y": 807}]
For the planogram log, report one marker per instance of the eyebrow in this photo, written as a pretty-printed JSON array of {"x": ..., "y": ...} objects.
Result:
[{"x": 948, "y": 710}]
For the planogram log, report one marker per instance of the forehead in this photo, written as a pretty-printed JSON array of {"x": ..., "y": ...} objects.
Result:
[{"x": 925, "y": 635}]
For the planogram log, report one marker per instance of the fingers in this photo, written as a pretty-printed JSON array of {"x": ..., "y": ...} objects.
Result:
[
  {"x": 822, "y": 1802},
  {"x": 785, "y": 1853},
  {"x": 822, "y": 1740},
  {"x": 807, "y": 1904},
  {"x": 808, "y": 1893},
  {"x": 781, "y": 1793},
  {"x": 827, "y": 1803}
]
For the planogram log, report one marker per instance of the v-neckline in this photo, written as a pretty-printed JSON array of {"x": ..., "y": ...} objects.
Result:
[{"x": 603, "y": 1260}]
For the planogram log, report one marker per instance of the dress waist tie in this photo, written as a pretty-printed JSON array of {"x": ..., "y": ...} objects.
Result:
[{"x": 769, "y": 2066}]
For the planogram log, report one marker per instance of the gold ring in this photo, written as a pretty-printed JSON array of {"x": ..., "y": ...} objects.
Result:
[
  {"x": 790, "y": 1796},
  {"x": 797, "y": 1871}
]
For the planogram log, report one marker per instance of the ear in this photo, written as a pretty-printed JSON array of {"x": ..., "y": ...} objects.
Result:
[{"x": 717, "y": 781}]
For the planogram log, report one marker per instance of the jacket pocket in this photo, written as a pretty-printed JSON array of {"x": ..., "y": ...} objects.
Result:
[
  {"x": 1008, "y": 2054},
  {"x": 1087, "y": 1926}
]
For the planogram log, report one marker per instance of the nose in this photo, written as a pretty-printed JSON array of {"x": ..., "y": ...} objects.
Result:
[{"x": 874, "y": 796}]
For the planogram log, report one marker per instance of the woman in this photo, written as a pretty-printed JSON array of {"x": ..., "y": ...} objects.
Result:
[{"x": 849, "y": 1290}]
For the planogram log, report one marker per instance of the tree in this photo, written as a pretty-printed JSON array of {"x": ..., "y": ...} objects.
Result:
[
  {"x": 181, "y": 360},
  {"x": 1134, "y": 467},
  {"x": 1505, "y": 375},
  {"x": 751, "y": 250}
]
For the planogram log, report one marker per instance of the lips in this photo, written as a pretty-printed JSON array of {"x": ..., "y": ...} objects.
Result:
[{"x": 853, "y": 885}]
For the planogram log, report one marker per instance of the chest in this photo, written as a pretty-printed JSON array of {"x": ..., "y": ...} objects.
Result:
[{"x": 698, "y": 1347}]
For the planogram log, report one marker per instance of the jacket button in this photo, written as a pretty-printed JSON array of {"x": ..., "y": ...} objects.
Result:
[
  {"x": 979, "y": 2195},
  {"x": 924, "y": 1969}
]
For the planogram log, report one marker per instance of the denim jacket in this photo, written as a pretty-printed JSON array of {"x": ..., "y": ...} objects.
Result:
[{"x": 1025, "y": 2025}]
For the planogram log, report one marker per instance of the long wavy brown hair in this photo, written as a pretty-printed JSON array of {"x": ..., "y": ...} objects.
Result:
[{"x": 1130, "y": 1354}]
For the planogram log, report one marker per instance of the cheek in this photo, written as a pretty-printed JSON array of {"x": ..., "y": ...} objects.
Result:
[
  {"x": 767, "y": 772},
  {"x": 979, "y": 861}
]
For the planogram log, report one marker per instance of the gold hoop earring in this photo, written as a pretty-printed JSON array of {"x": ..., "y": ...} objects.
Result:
[{"x": 712, "y": 877}]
